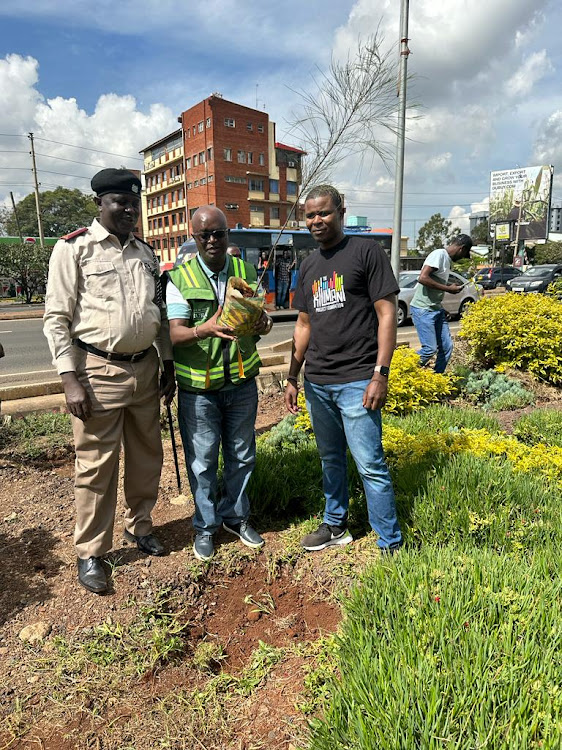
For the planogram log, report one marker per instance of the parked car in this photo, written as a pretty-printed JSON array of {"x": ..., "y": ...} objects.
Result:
[
  {"x": 491, "y": 277},
  {"x": 454, "y": 304},
  {"x": 536, "y": 278}
]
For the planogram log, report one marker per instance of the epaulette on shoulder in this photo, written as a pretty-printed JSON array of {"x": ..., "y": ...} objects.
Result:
[
  {"x": 144, "y": 242},
  {"x": 76, "y": 233}
]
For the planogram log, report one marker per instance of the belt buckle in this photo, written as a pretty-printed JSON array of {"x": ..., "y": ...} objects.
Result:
[{"x": 136, "y": 356}]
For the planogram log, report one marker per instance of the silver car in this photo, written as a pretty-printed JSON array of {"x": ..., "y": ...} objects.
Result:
[{"x": 454, "y": 304}]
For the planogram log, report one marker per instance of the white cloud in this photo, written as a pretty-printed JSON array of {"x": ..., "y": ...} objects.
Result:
[
  {"x": 532, "y": 70},
  {"x": 116, "y": 125}
]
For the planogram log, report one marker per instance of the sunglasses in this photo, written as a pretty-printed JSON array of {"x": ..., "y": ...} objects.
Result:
[{"x": 206, "y": 236}]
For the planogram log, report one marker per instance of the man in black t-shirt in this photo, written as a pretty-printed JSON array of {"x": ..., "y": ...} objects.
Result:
[{"x": 346, "y": 332}]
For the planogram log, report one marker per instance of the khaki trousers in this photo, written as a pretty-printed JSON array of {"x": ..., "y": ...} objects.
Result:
[{"x": 125, "y": 410}]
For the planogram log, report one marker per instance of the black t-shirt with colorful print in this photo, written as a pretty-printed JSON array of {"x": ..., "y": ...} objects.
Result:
[{"x": 337, "y": 288}]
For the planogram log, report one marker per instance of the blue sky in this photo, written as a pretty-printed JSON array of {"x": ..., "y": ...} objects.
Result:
[{"x": 114, "y": 77}]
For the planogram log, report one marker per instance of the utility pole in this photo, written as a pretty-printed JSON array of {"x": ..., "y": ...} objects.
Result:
[
  {"x": 37, "y": 204},
  {"x": 400, "y": 133}
]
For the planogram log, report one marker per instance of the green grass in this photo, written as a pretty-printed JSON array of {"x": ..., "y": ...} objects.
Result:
[
  {"x": 542, "y": 426},
  {"x": 37, "y": 435},
  {"x": 443, "y": 649}
]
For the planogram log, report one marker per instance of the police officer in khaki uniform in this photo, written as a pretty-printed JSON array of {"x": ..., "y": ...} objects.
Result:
[{"x": 107, "y": 326}]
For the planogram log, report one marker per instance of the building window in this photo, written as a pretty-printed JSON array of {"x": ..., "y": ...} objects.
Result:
[
  {"x": 180, "y": 194},
  {"x": 232, "y": 178},
  {"x": 195, "y": 160},
  {"x": 229, "y": 122},
  {"x": 231, "y": 206},
  {"x": 241, "y": 157},
  {"x": 274, "y": 212},
  {"x": 256, "y": 185},
  {"x": 210, "y": 154},
  {"x": 274, "y": 186},
  {"x": 261, "y": 160},
  {"x": 250, "y": 157},
  {"x": 188, "y": 162},
  {"x": 160, "y": 222},
  {"x": 200, "y": 127},
  {"x": 228, "y": 154},
  {"x": 210, "y": 178},
  {"x": 203, "y": 181},
  {"x": 173, "y": 219},
  {"x": 189, "y": 185},
  {"x": 201, "y": 157},
  {"x": 260, "y": 129},
  {"x": 194, "y": 130},
  {"x": 291, "y": 188},
  {"x": 166, "y": 221},
  {"x": 292, "y": 163},
  {"x": 256, "y": 209},
  {"x": 196, "y": 183},
  {"x": 208, "y": 122},
  {"x": 249, "y": 126}
]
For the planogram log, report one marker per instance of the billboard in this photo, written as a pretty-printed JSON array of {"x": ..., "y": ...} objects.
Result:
[{"x": 522, "y": 196}]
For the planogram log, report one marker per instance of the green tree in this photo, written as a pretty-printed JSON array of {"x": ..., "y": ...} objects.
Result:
[
  {"x": 62, "y": 211},
  {"x": 435, "y": 233},
  {"x": 480, "y": 234},
  {"x": 550, "y": 252},
  {"x": 27, "y": 264}
]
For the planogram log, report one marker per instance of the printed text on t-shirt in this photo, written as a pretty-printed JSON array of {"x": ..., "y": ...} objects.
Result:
[{"x": 328, "y": 293}]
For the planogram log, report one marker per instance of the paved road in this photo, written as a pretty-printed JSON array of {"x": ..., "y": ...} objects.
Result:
[{"x": 28, "y": 359}]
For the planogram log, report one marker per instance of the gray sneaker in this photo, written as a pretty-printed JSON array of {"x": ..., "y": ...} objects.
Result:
[
  {"x": 203, "y": 547},
  {"x": 245, "y": 533},
  {"x": 326, "y": 536}
]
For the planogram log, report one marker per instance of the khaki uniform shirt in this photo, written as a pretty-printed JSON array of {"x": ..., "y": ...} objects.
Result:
[{"x": 103, "y": 294}]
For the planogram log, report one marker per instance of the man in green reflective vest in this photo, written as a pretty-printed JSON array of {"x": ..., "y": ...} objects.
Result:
[{"x": 217, "y": 390}]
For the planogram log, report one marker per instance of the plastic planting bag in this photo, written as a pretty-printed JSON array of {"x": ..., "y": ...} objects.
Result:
[{"x": 242, "y": 307}]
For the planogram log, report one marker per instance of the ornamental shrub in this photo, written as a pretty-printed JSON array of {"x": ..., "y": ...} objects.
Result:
[
  {"x": 523, "y": 331},
  {"x": 411, "y": 387},
  {"x": 496, "y": 391}
]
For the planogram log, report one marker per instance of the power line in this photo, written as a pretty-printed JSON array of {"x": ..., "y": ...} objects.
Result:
[{"x": 87, "y": 148}]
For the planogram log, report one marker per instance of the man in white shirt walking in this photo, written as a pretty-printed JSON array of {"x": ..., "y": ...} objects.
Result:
[{"x": 427, "y": 311}]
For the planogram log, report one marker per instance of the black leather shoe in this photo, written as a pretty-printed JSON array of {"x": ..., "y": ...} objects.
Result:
[
  {"x": 91, "y": 575},
  {"x": 148, "y": 544}
]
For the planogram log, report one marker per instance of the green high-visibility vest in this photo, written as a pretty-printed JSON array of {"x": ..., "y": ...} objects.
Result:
[{"x": 201, "y": 365}]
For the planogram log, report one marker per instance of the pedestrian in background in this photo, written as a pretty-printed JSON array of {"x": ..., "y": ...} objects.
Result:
[{"x": 428, "y": 315}]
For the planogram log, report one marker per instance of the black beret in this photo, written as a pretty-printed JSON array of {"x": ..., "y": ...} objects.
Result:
[{"x": 116, "y": 181}]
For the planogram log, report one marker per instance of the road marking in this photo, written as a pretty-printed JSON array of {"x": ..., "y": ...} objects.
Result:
[
  {"x": 31, "y": 372},
  {"x": 6, "y": 331}
]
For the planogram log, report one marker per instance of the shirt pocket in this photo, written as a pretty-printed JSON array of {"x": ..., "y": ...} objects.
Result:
[{"x": 101, "y": 279}]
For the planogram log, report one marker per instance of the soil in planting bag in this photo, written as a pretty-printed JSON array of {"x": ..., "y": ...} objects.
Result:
[{"x": 242, "y": 307}]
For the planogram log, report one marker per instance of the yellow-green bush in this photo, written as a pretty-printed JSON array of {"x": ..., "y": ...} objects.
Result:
[
  {"x": 523, "y": 331},
  {"x": 411, "y": 387},
  {"x": 402, "y": 448}
]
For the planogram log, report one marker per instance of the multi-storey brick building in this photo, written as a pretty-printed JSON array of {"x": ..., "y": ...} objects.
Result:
[{"x": 225, "y": 155}]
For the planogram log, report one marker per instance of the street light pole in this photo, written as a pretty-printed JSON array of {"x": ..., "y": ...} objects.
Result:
[{"x": 400, "y": 132}]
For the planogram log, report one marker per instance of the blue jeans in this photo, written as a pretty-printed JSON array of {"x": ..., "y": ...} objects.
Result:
[
  {"x": 340, "y": 420},
  {"x": 434, "y": 335},
  {"x": 206, "y": 419},
  {"x": 281, "y": 293}
]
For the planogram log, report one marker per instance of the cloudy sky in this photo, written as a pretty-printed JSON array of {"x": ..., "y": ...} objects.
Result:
[{"x": 96, "y": 82}]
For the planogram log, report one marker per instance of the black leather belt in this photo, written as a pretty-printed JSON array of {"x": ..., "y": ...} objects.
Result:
[{"x": 111, "y": 356}]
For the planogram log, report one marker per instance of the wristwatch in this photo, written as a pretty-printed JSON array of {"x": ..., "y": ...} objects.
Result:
[{"x": 382, "y": 370}]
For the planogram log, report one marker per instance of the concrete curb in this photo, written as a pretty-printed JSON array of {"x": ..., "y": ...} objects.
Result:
[{"x": 20, "y": 314}]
